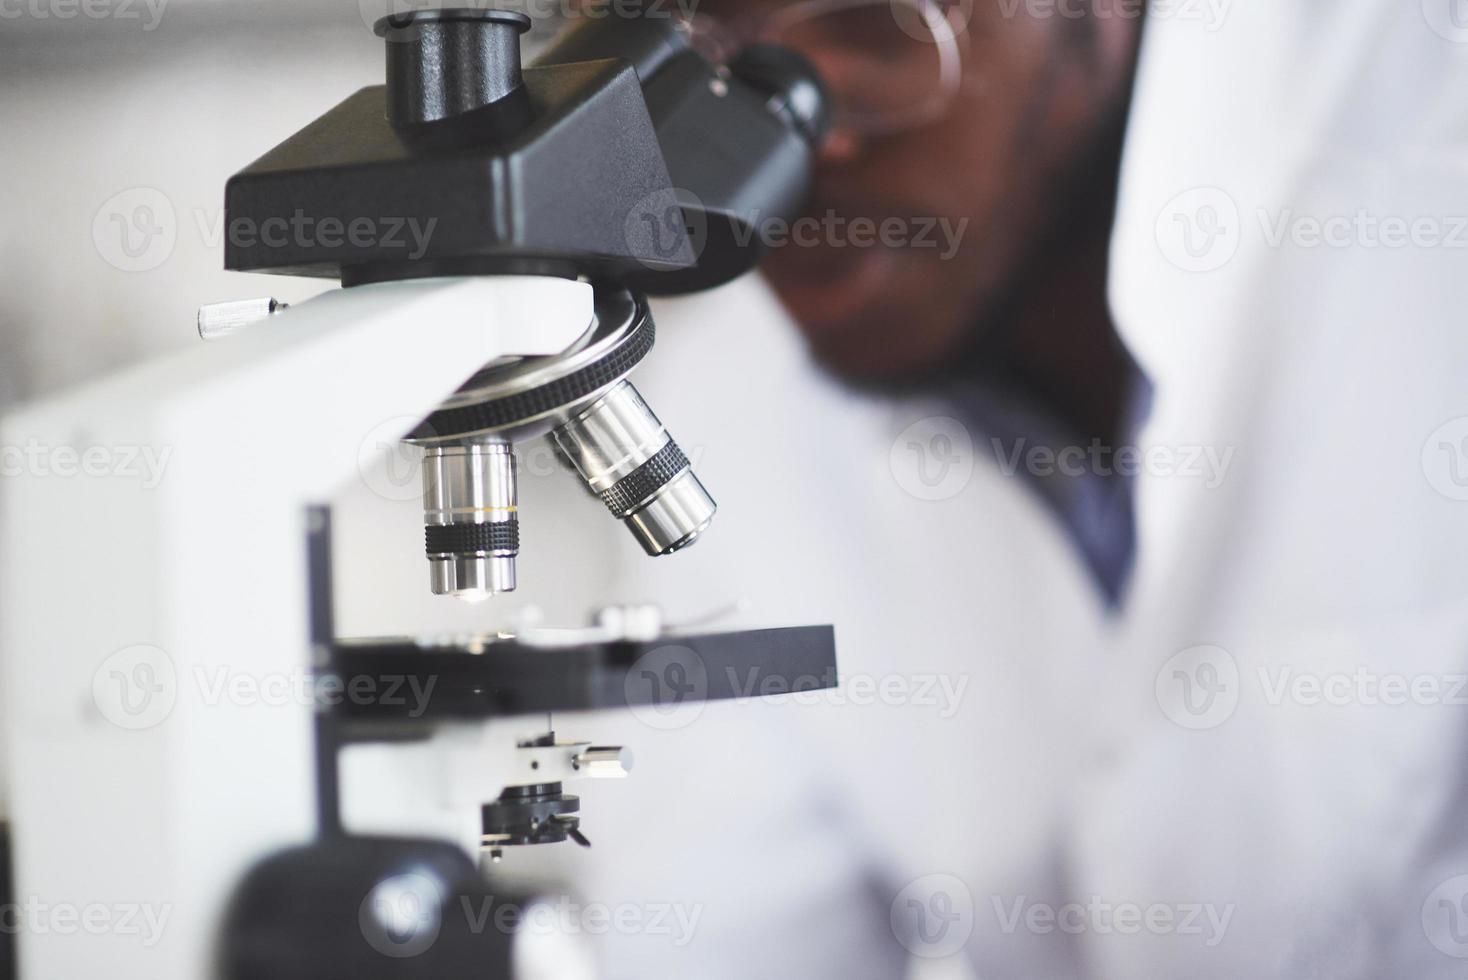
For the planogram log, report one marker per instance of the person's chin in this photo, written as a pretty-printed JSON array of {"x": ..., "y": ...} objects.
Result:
[
  {"x": 860, "y": 313},
  {"x": 827, "y": 288}
]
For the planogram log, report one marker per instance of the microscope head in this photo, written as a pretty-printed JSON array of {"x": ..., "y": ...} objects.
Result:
[
  {"x": 592, "y": 163},
  {"x": 623, "y": 158}
]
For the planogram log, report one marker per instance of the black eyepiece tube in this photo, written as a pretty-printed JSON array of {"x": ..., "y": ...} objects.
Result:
[{"x": 444, "y": 63}]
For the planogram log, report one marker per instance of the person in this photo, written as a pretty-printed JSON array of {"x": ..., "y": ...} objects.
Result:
[
  {"x": 1254, "y": 766},
  {"x": 826, "y": 835},
  {"x": 1277, "y": 771},
  {"x": 1001, "y": 124}
]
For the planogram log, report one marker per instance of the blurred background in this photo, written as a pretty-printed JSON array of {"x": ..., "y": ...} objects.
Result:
[{"x": 1086, "y": 726}]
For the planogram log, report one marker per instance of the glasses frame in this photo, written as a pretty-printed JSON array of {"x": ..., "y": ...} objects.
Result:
[{"x": 949, "y": 34}]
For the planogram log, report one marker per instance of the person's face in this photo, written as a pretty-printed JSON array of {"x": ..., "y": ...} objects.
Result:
[{"x": 963, "y": 196}]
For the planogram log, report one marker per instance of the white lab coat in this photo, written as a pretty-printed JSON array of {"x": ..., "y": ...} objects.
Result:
[
  {"x": 1322, "y": 821},
  {"x": 792, "y": 827}
]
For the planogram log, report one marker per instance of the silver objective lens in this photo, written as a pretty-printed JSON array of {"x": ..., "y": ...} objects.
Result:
[
  {"x": 627, "y": 458},
  {"x": 471, "y": 515},
  {"x": 579, "y": 398}
]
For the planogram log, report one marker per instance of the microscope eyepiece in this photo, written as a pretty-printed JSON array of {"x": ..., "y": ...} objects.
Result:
[
  {"x": 796, "y": 91},
  {"x": 445, "y": 63}
]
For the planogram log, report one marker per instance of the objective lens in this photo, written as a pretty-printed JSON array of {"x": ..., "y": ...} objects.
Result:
[
  {"x": 628, "y": 459},
  {"x": 470, "y": 511}
]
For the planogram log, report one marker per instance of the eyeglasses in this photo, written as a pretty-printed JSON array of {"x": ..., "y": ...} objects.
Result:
[{"x": 891, "y": 65}]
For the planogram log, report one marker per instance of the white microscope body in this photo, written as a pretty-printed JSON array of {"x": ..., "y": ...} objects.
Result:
[{"x": 134, "y": 791}]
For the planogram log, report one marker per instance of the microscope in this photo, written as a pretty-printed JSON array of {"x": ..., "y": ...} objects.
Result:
[{"x": 558, "y": 197}]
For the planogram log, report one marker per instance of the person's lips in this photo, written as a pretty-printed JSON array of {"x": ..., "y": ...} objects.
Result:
[{"x": 828, "y": 288}]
